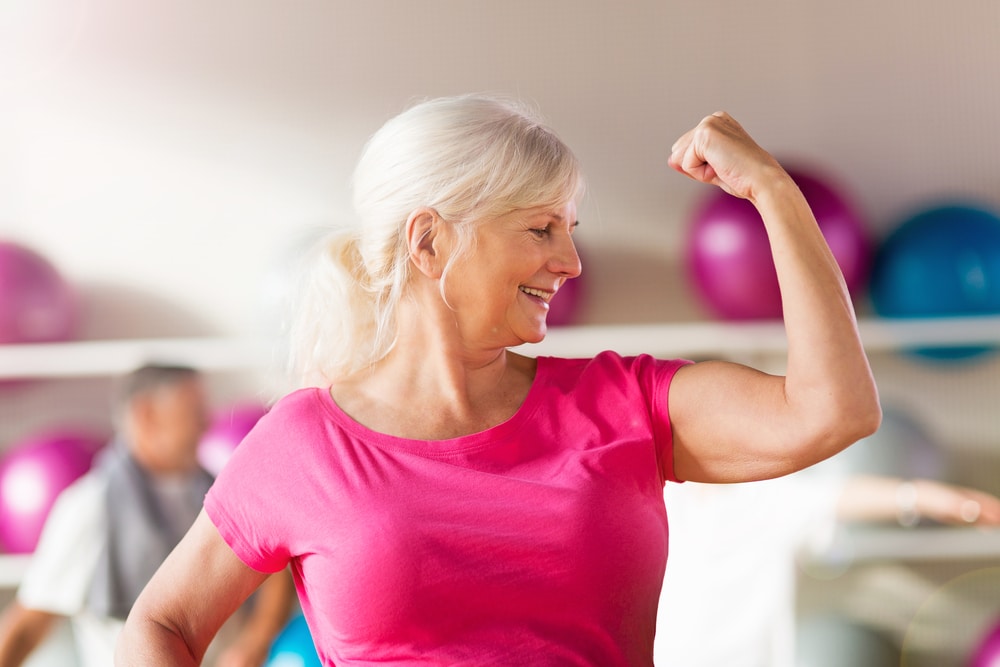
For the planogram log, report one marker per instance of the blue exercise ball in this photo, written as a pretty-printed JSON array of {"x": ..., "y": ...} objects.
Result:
[
  {"x": 941, "y": 262},
  {"x": 294, "y": 646}
]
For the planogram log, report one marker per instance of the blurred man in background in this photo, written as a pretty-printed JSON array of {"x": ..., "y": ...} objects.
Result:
[
  {"x": 108, "y": 532},
  {"x": 729, "y": 589}
]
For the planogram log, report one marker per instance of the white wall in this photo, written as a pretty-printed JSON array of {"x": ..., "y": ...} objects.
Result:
[
  {"x": 162, "y": 152},
  {"x": 167, "y": 154}
]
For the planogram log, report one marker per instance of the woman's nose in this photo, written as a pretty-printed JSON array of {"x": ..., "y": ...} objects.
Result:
[{"x": 566, "y": 259}]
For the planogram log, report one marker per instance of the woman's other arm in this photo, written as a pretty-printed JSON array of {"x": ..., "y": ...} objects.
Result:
[{"x": 192, "y": 594}]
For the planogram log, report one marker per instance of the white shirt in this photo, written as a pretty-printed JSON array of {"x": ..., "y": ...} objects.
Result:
[
  {"x": 60, "y": 571},
  {"x": 728, "y": 591}
]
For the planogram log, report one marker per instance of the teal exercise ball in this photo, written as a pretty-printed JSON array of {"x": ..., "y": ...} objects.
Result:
[
  {"x": 294, "y": 646},
  {"x": 832, "y": 640},
  {"x": 942, "y": 262}
]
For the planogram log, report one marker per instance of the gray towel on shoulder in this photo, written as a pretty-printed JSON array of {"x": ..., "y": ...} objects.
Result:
[{"x": 139, "y": 535}]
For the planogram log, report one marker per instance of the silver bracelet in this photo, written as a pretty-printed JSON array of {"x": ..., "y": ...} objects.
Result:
[{"x": 906, "y": 504}]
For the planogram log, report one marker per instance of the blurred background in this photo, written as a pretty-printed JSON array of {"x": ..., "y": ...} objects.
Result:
[{"x": 170, "y": 158}]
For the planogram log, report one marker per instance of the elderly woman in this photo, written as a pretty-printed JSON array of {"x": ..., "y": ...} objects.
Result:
[{"x": 444, "y": 501}]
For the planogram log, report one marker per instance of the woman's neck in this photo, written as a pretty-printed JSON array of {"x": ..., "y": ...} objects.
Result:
[{"x": 432, "y": 387}]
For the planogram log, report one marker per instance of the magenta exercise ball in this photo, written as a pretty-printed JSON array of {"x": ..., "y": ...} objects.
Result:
[
  {"x": 565, "y": 307},
  {"x": 37, "y": 305},
  {"x": 33, "y": 472},
  {"x": 227, "y": 429},
  {"x": 729, "y": 258},
  {"x": 987, "y": 650}
]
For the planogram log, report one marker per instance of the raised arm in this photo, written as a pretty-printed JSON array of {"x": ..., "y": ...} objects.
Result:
[
  {"x": 196, "y": 589},
  {"x": 732, "y": 423}
]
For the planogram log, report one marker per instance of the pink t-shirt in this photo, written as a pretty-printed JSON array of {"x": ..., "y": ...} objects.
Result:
[{"x": 540, "y": 541}]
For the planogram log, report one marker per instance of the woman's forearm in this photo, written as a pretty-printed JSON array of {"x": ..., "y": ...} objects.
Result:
[{"x": 828, "y": 375}]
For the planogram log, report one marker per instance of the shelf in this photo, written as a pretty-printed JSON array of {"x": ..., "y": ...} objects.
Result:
[
  {"x": 699, "y": 339},
  {"x": 683, "y": 339},
  {"x": 866, "y": 544},
  {"x": 12, "y": 569},
  {"x": 114, "y": 357}
]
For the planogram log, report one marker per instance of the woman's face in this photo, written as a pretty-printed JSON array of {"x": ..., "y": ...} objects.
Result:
[{"x": 501, "y": 290}]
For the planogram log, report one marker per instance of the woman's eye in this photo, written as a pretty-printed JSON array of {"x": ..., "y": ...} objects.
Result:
[{"x": 540, "y": 231}]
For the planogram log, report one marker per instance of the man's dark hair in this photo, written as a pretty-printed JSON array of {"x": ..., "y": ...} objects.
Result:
[{"x": 148, "y": 378}]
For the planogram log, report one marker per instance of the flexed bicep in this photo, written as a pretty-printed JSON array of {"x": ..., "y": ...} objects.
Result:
[{"x": 732, "y": 423}]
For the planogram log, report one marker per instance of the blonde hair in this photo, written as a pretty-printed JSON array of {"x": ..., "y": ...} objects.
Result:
[{"x": 468, "y": 157}]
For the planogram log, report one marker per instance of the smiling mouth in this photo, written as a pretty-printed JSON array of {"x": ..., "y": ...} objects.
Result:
[{"x": 541, "y": 294}]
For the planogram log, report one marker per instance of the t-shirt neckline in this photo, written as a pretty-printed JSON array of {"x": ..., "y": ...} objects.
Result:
[{"x": 461, "y": 445}]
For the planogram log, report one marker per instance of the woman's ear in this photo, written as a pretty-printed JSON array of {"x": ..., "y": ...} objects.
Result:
[{"x": 424, "y": 237}]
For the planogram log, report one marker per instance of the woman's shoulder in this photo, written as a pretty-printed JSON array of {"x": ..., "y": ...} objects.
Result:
[
  {"x": 299, "y": 401},
  {"x": 607, "y": 373},
  {"x": 608, "y": 360},
  {"x": 294, "y": 426},
  {"x": 295, "y": 411}
]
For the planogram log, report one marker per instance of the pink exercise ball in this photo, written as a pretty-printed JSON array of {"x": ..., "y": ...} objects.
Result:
[
  {"x": 564, "y": 309},
  {"x": 729, "y": 257},
  {"x": 33, "y": 472},
  {"x": 37, "y": 305},
  {"x": 565, "y": 305},
  {"x": 227, "y": 429},
  {"x": 987, "y": 650}
]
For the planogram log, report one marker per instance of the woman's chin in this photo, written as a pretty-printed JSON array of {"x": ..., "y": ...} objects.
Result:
[{"x": 536, "y": 335}]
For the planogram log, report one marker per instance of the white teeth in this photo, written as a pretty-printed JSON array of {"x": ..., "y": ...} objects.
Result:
[{"x": 537, "y": 292}]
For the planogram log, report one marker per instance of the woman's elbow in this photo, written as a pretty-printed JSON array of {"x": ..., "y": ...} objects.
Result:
[
  {"x": 145, "y": 640},
  {"x": 846, "y": 421},
  {"x": 863, "y": 415},
  {"x": 132, "y": 639},
  {"x": 825, "y": 424}
]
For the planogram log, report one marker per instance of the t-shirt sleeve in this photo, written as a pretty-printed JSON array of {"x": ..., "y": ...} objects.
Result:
[
  {"x": 654, "y": 377},
  {"x": 62, "y": 566},
  {"x": 253, "y": 500}
]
